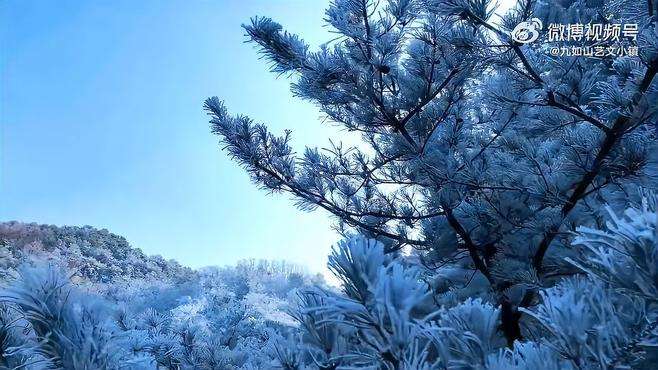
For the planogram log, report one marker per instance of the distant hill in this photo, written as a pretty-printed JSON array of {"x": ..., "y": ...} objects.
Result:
[
  {"x": 95, "y": 255},
  {"x": 113, "y": 307}
]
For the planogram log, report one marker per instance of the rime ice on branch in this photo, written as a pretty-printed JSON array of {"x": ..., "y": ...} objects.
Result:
[{"x": 480, "y": 154}]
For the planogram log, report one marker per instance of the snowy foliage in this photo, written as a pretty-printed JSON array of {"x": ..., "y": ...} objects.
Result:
[
  {"x": 587, "y": 321},
  {"x": 485, "y": 188},
  {"x": 499, "y": 214},
  {"x": 260, "y": 315},
  {"x": 55, "y": 317},
  {"x": 95, "y": 255}
]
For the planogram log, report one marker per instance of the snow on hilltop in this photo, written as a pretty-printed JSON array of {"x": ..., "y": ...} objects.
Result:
[
  {"x": 78, "y": 295},
  {"x": 96, "y": 255}
]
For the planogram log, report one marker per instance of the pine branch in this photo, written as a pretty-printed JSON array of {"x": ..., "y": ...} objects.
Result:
[{"x": 612, "y": 137}]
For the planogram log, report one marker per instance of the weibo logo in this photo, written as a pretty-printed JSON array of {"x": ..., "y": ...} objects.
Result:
[{"x": 527, "y": 32}]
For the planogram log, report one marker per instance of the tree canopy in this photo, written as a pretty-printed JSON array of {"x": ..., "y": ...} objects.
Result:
[{"x": 480, "y": 154}]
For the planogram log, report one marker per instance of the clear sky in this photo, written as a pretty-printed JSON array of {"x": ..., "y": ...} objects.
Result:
[{"x": 102, "y": 125}]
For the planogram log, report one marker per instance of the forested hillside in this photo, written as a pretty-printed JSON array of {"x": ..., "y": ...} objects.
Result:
[
  {"x": 263, "y": 315},
  {"x": 97, "y": 255},
  {"x": 83, "y": 298}
]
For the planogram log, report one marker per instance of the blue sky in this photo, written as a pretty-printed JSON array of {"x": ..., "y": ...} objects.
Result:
[{"x": 102, "y": 125}]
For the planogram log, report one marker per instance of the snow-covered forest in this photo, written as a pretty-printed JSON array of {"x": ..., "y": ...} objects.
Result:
[
  {"x": 82, "y": 298},
  {"x": 499, "y": 212}
]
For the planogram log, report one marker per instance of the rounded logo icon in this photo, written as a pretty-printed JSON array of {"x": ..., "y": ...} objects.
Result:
[{"x": 527, "y": 32}]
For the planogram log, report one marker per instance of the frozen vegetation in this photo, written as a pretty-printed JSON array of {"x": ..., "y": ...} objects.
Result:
[
  {"x": 500, "y": 212},
  {"x": 262, "y": 315},
  {"x": 82, "y": 298}
]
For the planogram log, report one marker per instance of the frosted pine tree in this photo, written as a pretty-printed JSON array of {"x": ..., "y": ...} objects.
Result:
[{"x": 480, "y": 155}]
